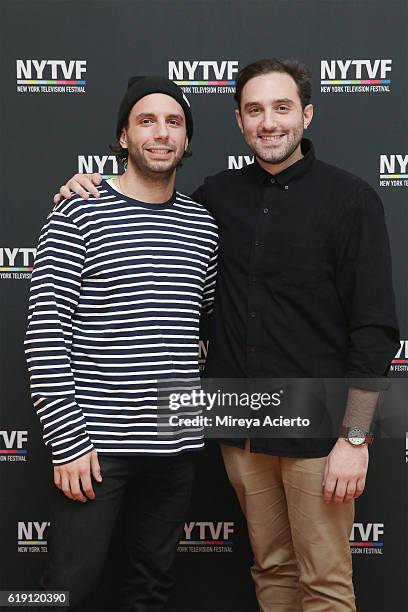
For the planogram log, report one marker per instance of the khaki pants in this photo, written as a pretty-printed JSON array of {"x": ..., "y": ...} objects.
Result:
[{"x": 302, "y": 558}]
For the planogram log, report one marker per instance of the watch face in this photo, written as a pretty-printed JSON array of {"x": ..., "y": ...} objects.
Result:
[{"x": 356, "y": 436}]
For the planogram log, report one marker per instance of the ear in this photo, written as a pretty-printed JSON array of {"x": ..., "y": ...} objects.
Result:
[
  {"x": 239, "y": 119},
  {"x": 307, "y": 115},
  {"x": 123, "y": 141},
  {"x": 186, "y": 144}
]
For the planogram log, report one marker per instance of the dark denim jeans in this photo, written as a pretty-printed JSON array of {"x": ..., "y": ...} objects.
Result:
[{"x": 158, "y": 491}]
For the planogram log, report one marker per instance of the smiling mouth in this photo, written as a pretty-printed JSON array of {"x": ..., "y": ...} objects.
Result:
[
  {"x": 161, "y": 151},
  {"x": 271, "y": 137}
]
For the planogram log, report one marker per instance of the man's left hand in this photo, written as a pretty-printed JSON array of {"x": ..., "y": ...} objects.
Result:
[{"x": 345, "y": 472}]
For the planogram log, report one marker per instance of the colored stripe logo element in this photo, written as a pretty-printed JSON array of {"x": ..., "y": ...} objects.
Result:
[
  {"x": 207, "y": 542},
  {"x": 48, "y": 82},
  {"x": 204, "y": 82},
  {"x": 397, "y": 361},
  {"x": 393, "y": 176},
  {"x": 12, "y": 269},
  {"x": 367, "y": 544},
  {"x": 357, "y": 82},
  {"x": 13, "y": 452},
  {"x": 31, "y": 542}
]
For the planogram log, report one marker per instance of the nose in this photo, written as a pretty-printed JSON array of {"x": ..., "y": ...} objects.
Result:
[
  {"x": 161, "y": 131},
  {"x": 269, "y": 120}
]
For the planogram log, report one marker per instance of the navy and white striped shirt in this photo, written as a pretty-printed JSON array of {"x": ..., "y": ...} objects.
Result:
[{"x": 115, "y": 300}]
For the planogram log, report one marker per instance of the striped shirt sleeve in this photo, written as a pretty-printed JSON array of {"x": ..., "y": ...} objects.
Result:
[
  {"x": 54, "y": 295},
  {"x": 210, "y": 282}
]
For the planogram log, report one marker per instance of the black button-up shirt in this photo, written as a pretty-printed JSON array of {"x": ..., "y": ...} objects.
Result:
[{"x": 304, "y": 283}]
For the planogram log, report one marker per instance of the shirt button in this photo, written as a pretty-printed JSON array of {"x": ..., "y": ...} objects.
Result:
[
  {"x": 266, "y": 210},
  {"x": 286, "y": 186},
  {"x": 253, "y": 315},
  {"x": 272, "y": 180}
]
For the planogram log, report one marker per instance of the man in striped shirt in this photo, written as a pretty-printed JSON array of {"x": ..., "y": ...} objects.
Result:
[{"x": 116, "y": 294}]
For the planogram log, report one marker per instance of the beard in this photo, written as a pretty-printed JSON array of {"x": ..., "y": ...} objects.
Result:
[
  {"x": 155, "y": 168},
  {"x": 278, "y": 153}
]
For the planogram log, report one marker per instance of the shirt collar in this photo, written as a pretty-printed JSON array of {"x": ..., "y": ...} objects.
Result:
[{"x": 291, "y": 172}]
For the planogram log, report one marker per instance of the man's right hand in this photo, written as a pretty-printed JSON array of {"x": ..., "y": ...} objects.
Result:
[
  {"x": 70, "y": 477},
  {"x": 80, "y": 184}
]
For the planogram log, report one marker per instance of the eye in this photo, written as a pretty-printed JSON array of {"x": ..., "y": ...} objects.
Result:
[
  {"x": 174, "y": 121},
  {"x": 146, "y": 121},
  {"x": 282, "y": 108},
  {"x": 254, "y": 110}
]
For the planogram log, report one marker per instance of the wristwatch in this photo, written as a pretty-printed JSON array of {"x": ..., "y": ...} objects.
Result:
[{"x": 356, "y": 436}]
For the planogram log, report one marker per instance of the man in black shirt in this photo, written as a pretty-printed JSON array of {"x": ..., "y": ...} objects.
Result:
[{"x": 302, "y": 293}]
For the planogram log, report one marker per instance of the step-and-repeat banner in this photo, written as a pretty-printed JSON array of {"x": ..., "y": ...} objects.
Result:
[{"x": 64, "y": 68}]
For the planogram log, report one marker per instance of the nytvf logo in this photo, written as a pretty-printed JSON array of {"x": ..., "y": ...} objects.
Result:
[
  {"x": 206, "y": 531},
  {"x": 204, "y": 76},
  {"x": 54, "y": 70},
  {"x": 355, "y": 75},
  {"x": 12, "y": 445},
  {"x": 366, "y": 538},
  {"x": 32, "y": 536},
  {"x": 355, "y": 70},
  {"x": 206, "y": 536},
  {"x": 393, "y": 170},
  {"x": 16, "y": 262},
  {"x": 198, "y": 70},
  {"x": 17, "y": 257},
  {"x": 106, "y": 165}
]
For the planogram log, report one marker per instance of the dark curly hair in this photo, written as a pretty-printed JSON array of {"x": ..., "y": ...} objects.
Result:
[{"x": 294, "y": 68}]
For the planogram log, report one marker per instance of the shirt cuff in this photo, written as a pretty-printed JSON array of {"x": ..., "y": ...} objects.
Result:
[
  {"x": 369, "y": 384},
  {"x": 71, "y": 449}
]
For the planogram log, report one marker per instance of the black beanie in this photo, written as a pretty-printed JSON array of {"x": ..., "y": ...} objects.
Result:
[{"x": 141, "y": 86}]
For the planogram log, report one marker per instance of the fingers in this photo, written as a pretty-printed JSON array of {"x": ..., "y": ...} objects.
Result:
[
  {"x": 95, "y": 467},
  {"x": 65, "y": 192},
  {"x": 350, "y": 490},
  {"x": 96, "y": 180},
  {"x": 340, "y": 492},
  {"x": 81, "y": 184},
  {"x": 80, "y": 188},
  {"x": 74, "y": 478},
  {"x": 76, "y": 489},
  {"x": 87, "y": 486},
  {"x": 57, "y": 478},
  {"x": 66, "y": 489},
  {"x": 326, "y": 469},
  {"x": 345, "y": 472},
  {"x": 360, "y": 486},
  {"x": 329, "y": 487}
]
